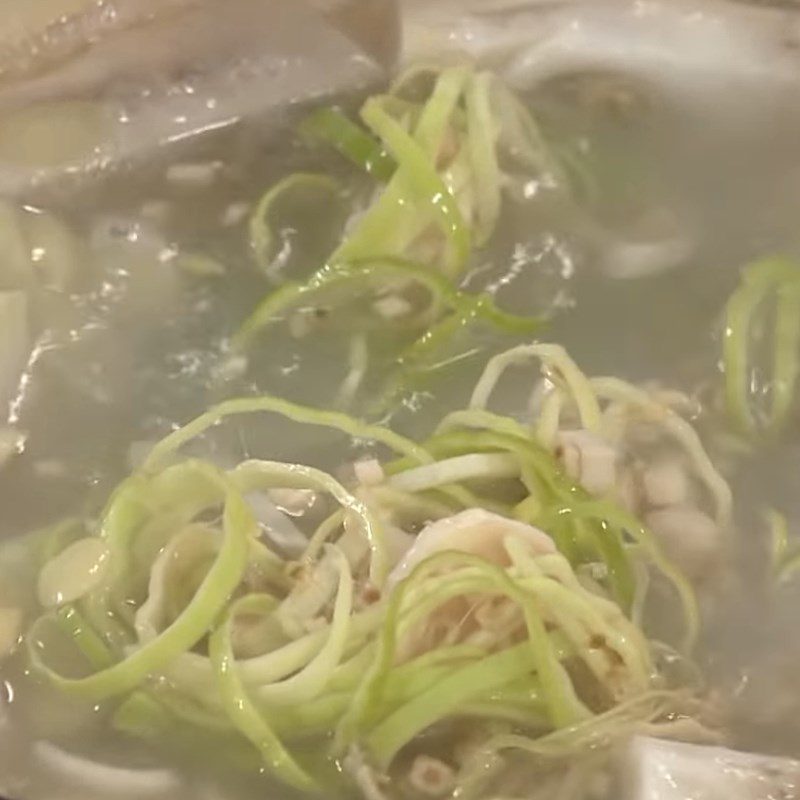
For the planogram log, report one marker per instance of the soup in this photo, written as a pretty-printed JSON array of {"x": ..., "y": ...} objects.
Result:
[{"x": 434, "y": 447}]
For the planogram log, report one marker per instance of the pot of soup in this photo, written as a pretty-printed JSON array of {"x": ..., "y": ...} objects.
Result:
[{"x": 399, "y": 400}]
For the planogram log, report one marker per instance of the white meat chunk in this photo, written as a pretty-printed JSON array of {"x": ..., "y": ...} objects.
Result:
[
  {"x": 665, "y": 483},
  {"x": 461, "y": 618},
  {"x": 475, "y": 531},
  {"x": 690, "y": 538},
  {"x": 588, "y": 459}
]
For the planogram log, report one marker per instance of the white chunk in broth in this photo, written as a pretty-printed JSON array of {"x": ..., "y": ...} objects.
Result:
[
  {"x": 474, "y": 531},
  {"x": 689, "y": 537}
]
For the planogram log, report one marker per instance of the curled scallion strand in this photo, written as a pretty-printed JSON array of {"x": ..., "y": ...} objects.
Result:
[
  {"x": 241, "y": 709},
  {"x": 439, "y": 159},
  {"x": 227, "y": 635},
  {"x": 189, "y": 628},
  {"x": 262, "y": 239},
  {"x": 776, "y": 278}
]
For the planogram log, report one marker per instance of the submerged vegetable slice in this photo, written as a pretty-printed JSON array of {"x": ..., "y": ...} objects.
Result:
[
  {"x": 92, "y": 647},
  {"x": 304, "y": 414},
  {"x": 360, "y": 276},
  {"x": 776, "y": 278},
  {"x": 241, "y": 709},
  {"x": 427, "y": 186},
  {"x": 445, "y": 698},
  {"x": 188, "y": 629},
  {"x": 74, "y": 572},
  {"x": 785, "y": 554}
]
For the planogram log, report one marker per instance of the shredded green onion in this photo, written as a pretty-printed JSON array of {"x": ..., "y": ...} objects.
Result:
[
  {"x": 261, "y": 235},
  {"x": 200, "y": 624},
  {"x": 352, "y": 141},
  {"x": 785, "y": 555},
  {"x": 446, "y": 697},
  {"x": 310, "y": 416},
  {"x": 86, "y": 640},
  {"x": 359, "y": 276},
  {"x": 188, "y": 629},
  {"x": 442, "y": 198},
  {"x": 778, "y": 278},
  {"x": 562, "y": 703},
  {"x": 482, "y": 143},
  {"x": 243, "y": 712}
]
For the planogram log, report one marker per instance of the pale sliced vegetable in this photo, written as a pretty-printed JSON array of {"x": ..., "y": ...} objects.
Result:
[
  {"x": 393, "y": 306},
  {"x": 234, "y": 214},
  {"x": 188, "y": 550},
  {"x": 629, "y": 259},
  {"x": 74, "y": 572},
  {"x": 293, "y": 501}
]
